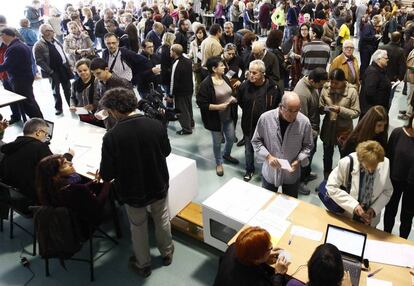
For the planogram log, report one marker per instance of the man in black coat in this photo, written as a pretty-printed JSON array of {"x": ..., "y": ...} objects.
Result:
[
  {"x": 182, "y": 88},
  {"x": 17, "y": 63},
  {"x": 123, "y": 62},
  {"x": 396, "y": 64},
  {"x": 376, "y": 86},
  {"x": 134, "y": 155},
  {"x": 112, "y": 27},
  {"x": 18, "y": 167},
  {"x": 229, "y": 36},
  {"x": 151, "y": 77},
  {"x": 255, "y": 96},
  {"x": 100, "y": 30},
  {"x": 181, "y": 35}
]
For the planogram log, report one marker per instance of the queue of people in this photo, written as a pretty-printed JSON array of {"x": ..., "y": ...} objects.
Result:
[{"x": 306, "y": 71}]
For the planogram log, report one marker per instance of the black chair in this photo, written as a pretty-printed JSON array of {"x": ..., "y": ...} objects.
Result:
[
  {"x": 17, "y": 203},
  {"x": 94, "y": 232}
]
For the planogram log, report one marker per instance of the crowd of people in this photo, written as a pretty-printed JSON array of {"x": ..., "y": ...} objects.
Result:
[{"x": 287, "y": 65}]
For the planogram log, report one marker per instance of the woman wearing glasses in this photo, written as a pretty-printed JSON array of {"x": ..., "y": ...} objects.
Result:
[{"x": 340, "y": 103}]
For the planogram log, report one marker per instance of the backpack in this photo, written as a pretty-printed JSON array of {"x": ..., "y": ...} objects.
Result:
[
  {"x": 410, "y": 67},
  {"x": 58, "y": 233}
]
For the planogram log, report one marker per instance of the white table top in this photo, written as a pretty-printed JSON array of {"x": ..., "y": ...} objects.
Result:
[{"x": 8, "y": 97}]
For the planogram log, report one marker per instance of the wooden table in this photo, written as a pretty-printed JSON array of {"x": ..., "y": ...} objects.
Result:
[
  {"x": 316, "y": 218},
  {"x": 8, "y": 97}
]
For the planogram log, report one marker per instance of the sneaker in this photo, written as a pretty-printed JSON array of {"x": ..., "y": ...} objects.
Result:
[
  {"x": 184, "y": 132},
  {"x": 167, "y": 260},
  {"x": 312, "y": 176},
  {"x": 231, "y": 159},
  {"x": 248, "y": 176},
  {"x": 143, "y": 272},
  {"x": 219, "y": 170},
  {"x": 303, "y": 190}
]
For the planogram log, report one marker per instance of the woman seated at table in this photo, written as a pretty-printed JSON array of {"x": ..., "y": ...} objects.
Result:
[
  {"x": 59, "y": 185},
  {"x": 247, "y": 262},
  {"x": 371, "y": 187},
  {"x": 325, "y": 268},
  {"x": 84, "y": 88}
]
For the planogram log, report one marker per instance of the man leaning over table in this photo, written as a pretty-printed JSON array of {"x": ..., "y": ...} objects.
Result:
[{"x": 283, "y": 133}]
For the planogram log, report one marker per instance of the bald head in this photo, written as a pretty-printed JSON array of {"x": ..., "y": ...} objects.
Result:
[{"x": 290, "y": 106}]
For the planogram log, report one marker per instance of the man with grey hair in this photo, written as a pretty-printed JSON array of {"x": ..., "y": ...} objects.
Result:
[
  {"x": 347, "y": 62},
  {"x": 235, "y": 13},
  {"x": 54, "y": 65},
  {"x": 376, "y": 86},
  {"x": 256, "y": 95},
  {"x": 283, "y": 141},
  {"x": 18, "y": 167},
  {"x": 259, "y": 52},
  {"x": 100, "y": 29},
  {"x": 229, "y": 36}
]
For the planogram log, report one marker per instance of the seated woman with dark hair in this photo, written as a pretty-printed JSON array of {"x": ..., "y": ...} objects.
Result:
[
  {"x": 59, "y": 185},
  {"x": 247, "y": 261},
  {"x": 325, "y": 268},
  {"x": 84, "y": 88}
]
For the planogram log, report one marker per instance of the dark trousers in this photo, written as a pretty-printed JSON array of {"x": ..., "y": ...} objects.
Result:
[
  {"x": 249, "y": 154},
  {"x": 307, "y": 170},
  {"x": 365, "y": 55},
  {"x": 328, "y": 151},
  {"x": 405, "y": 190},
  {"x": 56, "y": 81},
  {"x": 184, "y": 104},
  {"x": 287, "y": 189},
  {"x": 29, "y": 106}
]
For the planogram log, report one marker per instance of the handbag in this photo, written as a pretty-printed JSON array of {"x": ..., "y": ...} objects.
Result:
[{"x": 328, "y": 202}]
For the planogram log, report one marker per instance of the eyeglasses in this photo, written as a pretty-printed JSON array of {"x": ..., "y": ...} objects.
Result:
[
  {"x": 386, "y": 59},
  {"x": 290, "y": 110},
  {"x": 44, "y": 131},
  {"x": 349, "y": 48}
]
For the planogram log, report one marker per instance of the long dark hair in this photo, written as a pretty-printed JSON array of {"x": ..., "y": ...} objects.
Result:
[
  {"x": 200, "y": 28},
  {"x": 47, "y": 179},
  {"x": 365, "y": 130},
  {"x": 325, "y": 267}
]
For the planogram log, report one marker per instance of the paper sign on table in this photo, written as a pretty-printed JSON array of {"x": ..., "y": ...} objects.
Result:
[
  {"x": 306, "y": 233},
  {"x": 377, "y": 282},
  {"x": 282, "y": 206},
  {"x": 391, "y": 253}
]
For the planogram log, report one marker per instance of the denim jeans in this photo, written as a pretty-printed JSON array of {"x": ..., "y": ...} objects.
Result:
[
  {"x": 227, "y": 128},
  {"x": 249, "y": 154},
  {"x": 308, "y": 169},
  {"x": 138, "y": 218}
]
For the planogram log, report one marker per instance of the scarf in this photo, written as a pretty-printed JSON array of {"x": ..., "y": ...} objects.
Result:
[
  {"x": 80, "y": 87},
  {"x": 366, "y": 188}
]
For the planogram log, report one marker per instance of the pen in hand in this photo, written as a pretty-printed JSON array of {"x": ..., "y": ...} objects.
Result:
[{"x": 375, "y": 272}]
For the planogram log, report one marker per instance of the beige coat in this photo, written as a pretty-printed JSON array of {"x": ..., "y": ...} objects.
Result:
[
  {"x": 382, "y": 187},
  {"x": 337, "y": 125},
  {"x": 340, "y": 62}
]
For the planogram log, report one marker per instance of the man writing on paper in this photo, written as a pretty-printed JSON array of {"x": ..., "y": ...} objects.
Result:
[{"x": 283, "y": 139}]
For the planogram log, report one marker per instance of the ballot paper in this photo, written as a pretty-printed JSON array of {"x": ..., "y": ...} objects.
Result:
[
  {"x": 284, "y": 164},
  {"x": 81, "y": 111},
  {"x": 282, "y": 206},
  {"x": 272, "y": 223},
  {"x": 306, "y": 233},
  {"x": 389, "y": 253},
  {"x": 377, "y": 282}
]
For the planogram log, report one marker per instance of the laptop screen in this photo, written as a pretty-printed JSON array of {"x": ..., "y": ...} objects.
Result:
[
  {"x": 50, "y": 126},
  {"x": 349, "y": 242}
]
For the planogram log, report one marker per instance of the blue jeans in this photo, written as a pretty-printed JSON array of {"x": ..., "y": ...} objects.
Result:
[
  {"x": 249, "y": 154},
  {"x": 227, "y": 128}
]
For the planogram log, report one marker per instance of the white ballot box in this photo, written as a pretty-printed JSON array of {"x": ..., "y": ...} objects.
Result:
[{"x": 229, "y": 209}]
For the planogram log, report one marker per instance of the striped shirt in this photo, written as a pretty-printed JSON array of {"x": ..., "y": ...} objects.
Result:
[{"x": 315, "y": 54}]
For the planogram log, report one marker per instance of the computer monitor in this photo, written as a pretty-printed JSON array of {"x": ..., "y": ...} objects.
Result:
[
  {"x": 350, "y": 243},
  {"x": 50, "y": 126}
]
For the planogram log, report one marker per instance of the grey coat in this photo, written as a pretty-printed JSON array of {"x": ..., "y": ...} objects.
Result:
[
  {"x": 41, "y": 53},
  {"x": 296, "y": 145}
]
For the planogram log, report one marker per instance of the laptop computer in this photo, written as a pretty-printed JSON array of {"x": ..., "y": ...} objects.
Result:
[
  {"x": 50, "y": 127},
  {"x": 351, "y": 244}
]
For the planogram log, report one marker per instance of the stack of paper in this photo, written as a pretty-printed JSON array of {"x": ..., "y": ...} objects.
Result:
[
  {"x": 306, "y": 233},
  {"x": 376, "y": 282},
  {"x": 273, "y": 224},
  {"x": 282, "y": 207},
  {"x": 389, "y": 253}
]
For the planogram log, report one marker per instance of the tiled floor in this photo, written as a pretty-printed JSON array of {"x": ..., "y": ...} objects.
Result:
[{"x": 194, "y": 263}]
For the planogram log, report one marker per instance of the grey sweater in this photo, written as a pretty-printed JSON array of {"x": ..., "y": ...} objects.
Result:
[{"x": 296, "y": 145}]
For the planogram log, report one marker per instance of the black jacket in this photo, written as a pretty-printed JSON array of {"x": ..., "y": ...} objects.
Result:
[
  {"x": 206, "y": 96},
  {"x": 396, "y": 64},
  {"x": 134, "y": 153},
  {"x": 18, "y": 167},
  {"x": 272, "y": 65},
  {"x": 181, "y": 38},
  {"x": 183, "y": 78},
  {"x": 138, "y": 64},
  {"x": 375, "y": 88},
  {"x": 236, "y": 39},
  {"x": 232, "y": 272},
  {"x": 254, "y": 101},
  {"x": 166, "y": 64}
]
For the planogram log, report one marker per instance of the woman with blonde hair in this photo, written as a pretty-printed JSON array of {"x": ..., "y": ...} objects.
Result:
[
  {"x": 166, "y": 64},
  {"x": 370, "y": 188},
  {"x": 88, "y": 23},
  {"x": 77, "y": 44}
]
